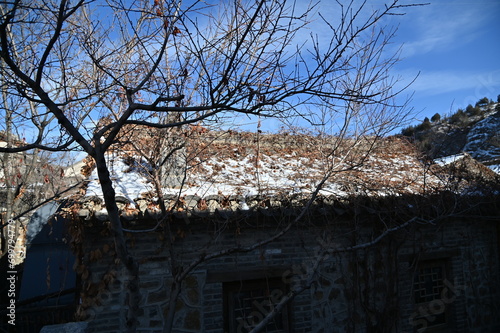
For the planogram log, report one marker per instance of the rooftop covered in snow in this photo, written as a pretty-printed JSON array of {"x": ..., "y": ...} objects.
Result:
[{"x": 211, "y": 171}]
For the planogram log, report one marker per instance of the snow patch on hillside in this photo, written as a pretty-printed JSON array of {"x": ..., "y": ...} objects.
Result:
[
  {"x": 495, "y": 167},
  {"x": 443, "y": 161},
  {"x": 483, "y": 140}
]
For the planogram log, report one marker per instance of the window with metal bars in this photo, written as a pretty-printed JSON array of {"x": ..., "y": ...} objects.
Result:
[
  {"x": 246, "y": 303},
  {"x": 429, "y": 290}
]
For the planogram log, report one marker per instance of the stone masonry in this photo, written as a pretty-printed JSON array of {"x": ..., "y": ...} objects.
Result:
[{"x": 372, "y": 289}]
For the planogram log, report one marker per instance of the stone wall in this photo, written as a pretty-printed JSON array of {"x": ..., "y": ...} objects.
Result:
[{"x": 368, "y": 290}]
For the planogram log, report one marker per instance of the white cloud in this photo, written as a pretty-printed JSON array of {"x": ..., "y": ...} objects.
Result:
[
  {"x": 432, "y": 83},
  {"x": 445, "y": 25}
]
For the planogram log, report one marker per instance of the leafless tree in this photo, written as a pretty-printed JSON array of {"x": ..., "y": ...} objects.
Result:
[
  {"x": 91, "y": 68},
  {"x": 28, "y": 178}
]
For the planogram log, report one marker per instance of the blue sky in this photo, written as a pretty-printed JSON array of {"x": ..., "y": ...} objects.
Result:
[{"x": 455, "y": 46}]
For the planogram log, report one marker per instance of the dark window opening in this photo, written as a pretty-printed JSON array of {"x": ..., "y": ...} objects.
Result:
[
  {"x": 430, "y": 295},
  {"x": 247, "y": 303}
]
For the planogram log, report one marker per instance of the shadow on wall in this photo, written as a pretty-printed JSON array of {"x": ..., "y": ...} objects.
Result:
[{"x": 46, "y": 283}]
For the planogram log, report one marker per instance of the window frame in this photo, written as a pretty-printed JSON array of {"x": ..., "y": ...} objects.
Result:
[
  {"x": 275, "y": 289},
  {"x": 425, "y": 307}
]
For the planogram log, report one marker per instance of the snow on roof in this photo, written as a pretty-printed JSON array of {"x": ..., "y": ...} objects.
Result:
[
  {"x": 275, "y": 173},
  {"x": 127, "y": 182},
  {"x": 215, "y": 171},
  {"x": 274, "y": 165}
]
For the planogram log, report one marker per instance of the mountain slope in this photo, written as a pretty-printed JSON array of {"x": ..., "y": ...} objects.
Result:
[
  {"x": 475, "y": 131},
  {"x": 483, "y": 139}
]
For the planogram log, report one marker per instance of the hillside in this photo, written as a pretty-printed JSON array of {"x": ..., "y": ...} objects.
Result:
[{"x": 475, "y": 130}]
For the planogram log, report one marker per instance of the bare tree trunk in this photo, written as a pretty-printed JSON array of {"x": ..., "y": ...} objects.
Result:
[
  {"x": 176, "y": 287},
  {"x": 175, "y": 291},
  {"x": 131, "y": 266},
  {"x": 6, "y": 158}
]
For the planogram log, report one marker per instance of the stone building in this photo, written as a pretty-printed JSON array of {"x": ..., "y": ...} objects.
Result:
[
  {"x": 440, "y": 274},
  {"x": 391, "y": 242}
]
